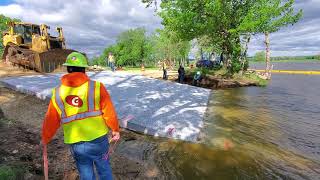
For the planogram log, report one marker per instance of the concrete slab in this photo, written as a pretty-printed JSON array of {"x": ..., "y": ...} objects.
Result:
[{"x": 145, "y": 105}]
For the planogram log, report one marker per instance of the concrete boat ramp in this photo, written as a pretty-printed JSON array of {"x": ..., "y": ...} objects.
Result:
[{"x": 146, "y": 105}]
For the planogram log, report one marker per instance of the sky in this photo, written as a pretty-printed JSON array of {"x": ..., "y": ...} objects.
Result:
[{"x": 91, "y": 25}]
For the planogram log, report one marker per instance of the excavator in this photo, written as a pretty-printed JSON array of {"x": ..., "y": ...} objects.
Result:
[{"x": 32, "y": 47}]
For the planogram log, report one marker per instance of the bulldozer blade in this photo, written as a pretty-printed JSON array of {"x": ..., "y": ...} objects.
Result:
[{"x": 51, "y": 60}]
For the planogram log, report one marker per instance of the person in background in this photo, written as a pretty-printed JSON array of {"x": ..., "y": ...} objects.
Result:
[
  {"x": 159, "y": 65},
  {"x": 164, "y": 68},
  {"x": 181, "y": 73},
  {"x": 111, "y": 61},
  {"x": 84, "y": 109},
  {"x": 197, "y": 79}
]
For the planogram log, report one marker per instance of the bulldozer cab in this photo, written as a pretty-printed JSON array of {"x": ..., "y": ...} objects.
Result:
[
  {"x": 33, "y": 36},
  {"x": 26, "y": 31}
]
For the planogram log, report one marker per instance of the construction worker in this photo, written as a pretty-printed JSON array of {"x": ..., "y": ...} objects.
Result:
[
  {"x": 197, "y": 78},
  {"x": 181, "y": 73},
  {"x": 84, "y": 109},
  {"x": 111, "y": 61},
  {"x": 164, "y": 69}
]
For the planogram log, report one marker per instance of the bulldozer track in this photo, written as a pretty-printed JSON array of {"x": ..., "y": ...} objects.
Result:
[{"x": 44, "y": 62}]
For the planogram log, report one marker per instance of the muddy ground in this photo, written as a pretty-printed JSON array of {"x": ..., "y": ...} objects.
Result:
[
  {"x": 21, "y": 118},
  {"x": 20, "y": 136}
]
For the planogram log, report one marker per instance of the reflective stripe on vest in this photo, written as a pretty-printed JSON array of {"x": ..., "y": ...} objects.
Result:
[
  {"x": 91, "y": 95},
  {"x": 60, "y": 103},
  {"x": 81, "y": 116},
  {"x": 91, "y": 105}
]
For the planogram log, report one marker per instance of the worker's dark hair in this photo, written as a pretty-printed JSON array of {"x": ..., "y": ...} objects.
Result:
[{"x": 72, "y": 69}]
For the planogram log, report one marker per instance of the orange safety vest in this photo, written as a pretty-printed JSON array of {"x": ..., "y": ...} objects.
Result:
[{"x": 79, "y": 110}]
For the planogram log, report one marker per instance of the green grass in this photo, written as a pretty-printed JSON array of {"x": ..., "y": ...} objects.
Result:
[
  {"x": 218, "y": 71},
  {"x": 10, "y": 173},
  {"x": 255, "y": 78},
  {"x": 223, "y": 73}
]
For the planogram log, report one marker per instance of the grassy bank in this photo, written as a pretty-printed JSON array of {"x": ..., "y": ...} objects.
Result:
[
  {"x": 223, "y": 76},
  {"x": 253, "y": 77}
]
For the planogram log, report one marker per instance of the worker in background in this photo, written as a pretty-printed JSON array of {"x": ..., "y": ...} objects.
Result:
[
  {"x": 159, "y": 65},
  {"x": 111, "y": 61},
  {"x": 84, "y": 109},
  {"x": 181, "y": 73},
  {"x": 197, "y": 78},
  {"x": 164, "y": 68}
]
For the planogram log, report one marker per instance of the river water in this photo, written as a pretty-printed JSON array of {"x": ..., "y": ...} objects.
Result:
[
  {"x": 307, "y": 66},
  {"x": 268, "y": 132}
]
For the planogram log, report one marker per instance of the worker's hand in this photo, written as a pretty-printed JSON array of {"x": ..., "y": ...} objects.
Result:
[{"x": 115, "y": 136}]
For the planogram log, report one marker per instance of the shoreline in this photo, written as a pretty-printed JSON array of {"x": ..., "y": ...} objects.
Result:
[{"x": 209, "y": 81}]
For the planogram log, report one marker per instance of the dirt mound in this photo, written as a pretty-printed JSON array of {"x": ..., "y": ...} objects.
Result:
[
  {"x": 7, "y": 70},
  {"x": 212, "y": 82}
]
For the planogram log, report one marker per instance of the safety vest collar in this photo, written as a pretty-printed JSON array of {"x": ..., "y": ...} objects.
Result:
[{"x": 74, "y": 79}]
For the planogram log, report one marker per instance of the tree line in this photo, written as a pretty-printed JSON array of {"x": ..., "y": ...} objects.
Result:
[
  {"x": 135, "y": 48},
  {"x": 261, "y": 56}
]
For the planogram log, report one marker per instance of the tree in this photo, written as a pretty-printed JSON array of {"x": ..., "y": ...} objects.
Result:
[
  {"x": 97, "y": 60},
  {"x": 207, "y": 46},
  {"x": 167, "y": 46},
  {"x": 215, "y": 20},
  {"x": 3, "y": 28},
  {"x": 130, "y": 48},
  {"x": 228, "y": 23},
  {"x": 267, "y": 16},
  {"x": 149, "y": 3},
  {"x": 260, "y": 56},
  {"x": 134, "y": 47}
]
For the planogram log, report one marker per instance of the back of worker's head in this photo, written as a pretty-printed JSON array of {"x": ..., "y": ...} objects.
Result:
[
  {"x": 72, "y": 69},
  {"x": 76, "y": 62}
]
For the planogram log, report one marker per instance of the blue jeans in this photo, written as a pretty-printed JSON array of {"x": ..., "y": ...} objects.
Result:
[
  {"x": 112, "y": 66},
  {"x": 90, "y": 154}
]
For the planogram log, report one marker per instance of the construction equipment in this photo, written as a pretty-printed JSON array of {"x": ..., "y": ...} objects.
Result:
[{"x": 31, "y": 46}]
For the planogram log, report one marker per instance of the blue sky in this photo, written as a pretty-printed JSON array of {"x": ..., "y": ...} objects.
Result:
[
  {"x": 91, "y": 25},
  {"x": 5, "y": 2}
]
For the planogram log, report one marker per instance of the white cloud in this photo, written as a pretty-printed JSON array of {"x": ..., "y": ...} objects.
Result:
[
  {"x": 12, "y": 10},
  {"x": 89, "y": 26},
  {"x": 302, "y": 38}
]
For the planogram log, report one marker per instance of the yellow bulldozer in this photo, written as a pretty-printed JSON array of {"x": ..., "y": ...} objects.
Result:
[{"x": 31, "y": 46}]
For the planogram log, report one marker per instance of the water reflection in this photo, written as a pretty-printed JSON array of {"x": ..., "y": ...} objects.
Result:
[{"x": 254, "y": 133}]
